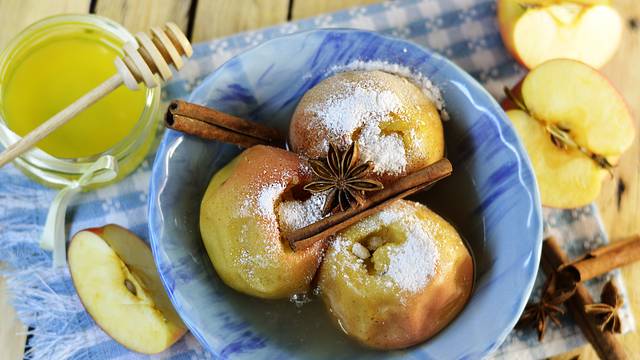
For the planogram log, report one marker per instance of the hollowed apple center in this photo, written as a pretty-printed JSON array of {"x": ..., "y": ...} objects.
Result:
[
  {"x": 376, "y": 243},
  {"x": 401, "y": 251}
]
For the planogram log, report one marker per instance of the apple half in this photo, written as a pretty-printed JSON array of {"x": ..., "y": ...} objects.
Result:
[
  {"x": 572, "y": 96},
  {"x": 116, "y": 279},
  {"x": 535, "y": 31}
]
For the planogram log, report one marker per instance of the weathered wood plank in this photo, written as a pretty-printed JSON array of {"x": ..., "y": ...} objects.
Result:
[
  {"x": 216, "y": 18},
  {"x": 140, "y": 15},
  {"x": 305, "y": 8},
  {"x": 620, "y": 199},
  {"x": 12, "y": 332},
  {"x": 15, "y": 15}
]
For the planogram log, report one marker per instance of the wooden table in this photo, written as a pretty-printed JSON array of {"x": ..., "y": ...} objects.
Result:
[{"x": 207, "y": 19}]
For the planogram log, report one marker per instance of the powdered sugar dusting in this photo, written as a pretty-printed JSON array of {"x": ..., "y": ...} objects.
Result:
[
  {"x": 264, "y": 204},
  {"x": 267, "y": 199},
  {"x": 391, "y": 215},
  {"x": 417, "y": 145},
  {"x": 386, "y": 152},
  {"x": 345, "y": 112},
  {"x": 297, "y": 214},
  {"x": 428, "y": 88},
  {"x": 252, "y": 261},
  {"x": 369, "y": 106},
  {"x": 412, "y": 261},
  {"x": 259, "y": 206},
  {"x": 361, "y": 106}
]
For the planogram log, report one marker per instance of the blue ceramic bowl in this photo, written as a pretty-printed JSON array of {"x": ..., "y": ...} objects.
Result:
[{"x": 491, "y": 198}]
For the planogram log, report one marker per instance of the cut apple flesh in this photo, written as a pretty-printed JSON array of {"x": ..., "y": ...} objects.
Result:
[
  {"x": 588, "y": 33},
  {"x": 116, "y": 279},
  {"x": 576, "y": 97},
  {"x": 566, "y": 178}
]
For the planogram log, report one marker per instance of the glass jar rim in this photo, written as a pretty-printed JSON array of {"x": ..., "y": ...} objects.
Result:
[{"x": 39, "y": 158}]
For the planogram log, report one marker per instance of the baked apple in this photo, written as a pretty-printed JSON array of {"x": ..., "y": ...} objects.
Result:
[
  {"x": 574, "y": 125},
  {"x": 397, "y": 277},
  {"x": 396, "y": 126},
  {"x": 240, "y": 225}
]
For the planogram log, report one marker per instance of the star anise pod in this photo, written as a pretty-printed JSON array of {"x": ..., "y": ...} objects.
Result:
[
  {"x": 342, "y": 176},
  {"x": 536, "y": 314},
  {"x": 606, "y": 312}
]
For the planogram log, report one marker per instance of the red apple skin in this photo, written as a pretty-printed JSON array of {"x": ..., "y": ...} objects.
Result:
[
  {"x": 507, "y": 104},
  {"x": 95, "y": 230},
  {"x": 506, "y": 32}
]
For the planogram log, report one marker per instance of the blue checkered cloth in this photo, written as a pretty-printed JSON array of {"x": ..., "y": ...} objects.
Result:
[{"x": 463, "y": 30}]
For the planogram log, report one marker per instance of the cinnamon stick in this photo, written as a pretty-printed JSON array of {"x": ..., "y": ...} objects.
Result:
[
  {"x": 400, "y": 189},
  {"x": 604, "y": 259},
  {"x": 605, "y": 344},
  {"x": 211, "y": 124}
]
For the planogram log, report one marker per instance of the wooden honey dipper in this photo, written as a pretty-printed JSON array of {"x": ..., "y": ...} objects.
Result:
[{"x": 143, "y": 59}]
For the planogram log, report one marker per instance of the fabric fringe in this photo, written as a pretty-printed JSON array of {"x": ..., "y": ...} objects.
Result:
[
  {"x": 44, "y": 298},
  {"x": 48, "y": 313}
]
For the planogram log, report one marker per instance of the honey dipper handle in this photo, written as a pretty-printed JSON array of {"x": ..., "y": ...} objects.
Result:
[
  {"x": 16, "y": 149},
  {"x": 147, "y": 59}
]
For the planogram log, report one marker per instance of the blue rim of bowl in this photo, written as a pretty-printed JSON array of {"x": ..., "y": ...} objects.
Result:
[{"x": 516, "y": 147}]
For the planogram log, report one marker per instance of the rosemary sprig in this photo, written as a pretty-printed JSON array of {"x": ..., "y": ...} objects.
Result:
[{"x": 561, "y": 136}]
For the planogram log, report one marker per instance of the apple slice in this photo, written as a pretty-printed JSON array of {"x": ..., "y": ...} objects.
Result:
[
  {"x": 117, "y": 281},
  {"x": 537, "y": 31},
  {"x": 576, "y": 100}
]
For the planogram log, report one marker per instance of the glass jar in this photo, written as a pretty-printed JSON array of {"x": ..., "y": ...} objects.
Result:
[{"x": 60, "y": 172}]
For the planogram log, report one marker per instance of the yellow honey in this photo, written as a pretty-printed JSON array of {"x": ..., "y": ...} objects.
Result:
[{"x": 47, "y": 77}]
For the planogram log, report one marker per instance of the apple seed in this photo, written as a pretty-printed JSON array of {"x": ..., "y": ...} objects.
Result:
[{"x": 131, "y": 287}]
